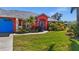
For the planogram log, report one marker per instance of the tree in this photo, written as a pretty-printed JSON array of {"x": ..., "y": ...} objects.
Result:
[
  {"x": 29, "y": 22},
  {"x": 57, "y": 16},
  {"x": 77, "y": 11}
]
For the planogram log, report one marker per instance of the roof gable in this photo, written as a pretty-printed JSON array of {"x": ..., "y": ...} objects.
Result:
[{"x": 42, "y": 15}]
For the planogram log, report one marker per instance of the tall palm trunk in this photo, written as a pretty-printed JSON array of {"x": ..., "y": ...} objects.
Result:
[{"x": 77, "y": 16}]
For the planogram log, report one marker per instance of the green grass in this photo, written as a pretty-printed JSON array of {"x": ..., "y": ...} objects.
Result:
[{"x": 51, "y": 41}]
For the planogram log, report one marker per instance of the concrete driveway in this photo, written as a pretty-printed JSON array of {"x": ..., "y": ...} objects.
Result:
[{"x": 6, "y": 42}]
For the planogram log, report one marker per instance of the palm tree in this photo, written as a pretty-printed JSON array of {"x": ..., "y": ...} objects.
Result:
[
  {"x": 77, "y": 11},
  {"x": 30, "y": 19},
  {"x": 29, "y": 22}
]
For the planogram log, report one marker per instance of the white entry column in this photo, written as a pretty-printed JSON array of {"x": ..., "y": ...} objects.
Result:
[{"x": 17, "y": 24}]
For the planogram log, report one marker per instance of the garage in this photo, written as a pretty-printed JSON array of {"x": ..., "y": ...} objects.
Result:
[{"x": 6, "y": 25}]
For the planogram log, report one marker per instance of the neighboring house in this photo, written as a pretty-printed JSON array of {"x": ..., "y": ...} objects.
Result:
[{"x": 52, "y": 20}]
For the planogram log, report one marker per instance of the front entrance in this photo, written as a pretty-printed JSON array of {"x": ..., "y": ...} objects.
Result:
[
  {"x": 6, "y": 25},
  {"x": 41, "y": 26}
]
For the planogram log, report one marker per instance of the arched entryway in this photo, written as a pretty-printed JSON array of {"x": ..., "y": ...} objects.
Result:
[{"x": 42, "y": 22}]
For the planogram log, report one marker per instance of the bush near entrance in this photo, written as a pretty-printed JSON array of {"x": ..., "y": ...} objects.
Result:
[{"x": 56, "y": 26}]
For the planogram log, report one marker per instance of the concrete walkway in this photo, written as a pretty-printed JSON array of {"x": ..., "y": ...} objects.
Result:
[
  {"x": 32, "y": 33},
  {"x": 6, "y": 42}
]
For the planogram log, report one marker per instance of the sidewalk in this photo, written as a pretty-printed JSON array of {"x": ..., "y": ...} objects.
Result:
[{"x": 32, "y": 33}]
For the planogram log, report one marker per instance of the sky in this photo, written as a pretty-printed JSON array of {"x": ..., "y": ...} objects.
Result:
[{"x": 65, "y": 11}]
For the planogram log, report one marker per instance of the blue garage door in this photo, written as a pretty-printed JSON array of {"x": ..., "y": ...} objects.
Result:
[{"x": 6, "y": 25}]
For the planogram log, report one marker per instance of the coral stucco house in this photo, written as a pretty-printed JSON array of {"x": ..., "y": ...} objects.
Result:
[{"x": 12, "y": 22}]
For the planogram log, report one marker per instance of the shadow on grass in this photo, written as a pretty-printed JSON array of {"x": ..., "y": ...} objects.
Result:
[
  {"x": 74, "y": 45},
  {"x": 51, "y": 47}
]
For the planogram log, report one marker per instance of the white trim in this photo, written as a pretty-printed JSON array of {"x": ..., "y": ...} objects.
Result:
[{"x": 17, "y": 24}]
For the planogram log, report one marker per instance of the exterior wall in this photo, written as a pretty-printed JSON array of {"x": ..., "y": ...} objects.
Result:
[
  {"x": 17, "y": 24},
  {"x": 21, "y": 24},
  {"x": 14, "y": 25}
]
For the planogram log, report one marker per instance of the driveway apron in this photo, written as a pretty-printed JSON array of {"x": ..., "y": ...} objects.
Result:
[{"x": 6, "y": 42}]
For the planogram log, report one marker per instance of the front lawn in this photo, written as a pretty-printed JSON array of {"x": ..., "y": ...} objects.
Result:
[{"x": 51, "y": 41}]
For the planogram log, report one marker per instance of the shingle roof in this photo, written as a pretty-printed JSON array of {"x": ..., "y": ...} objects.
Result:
[{"x": 16, "y": 14}]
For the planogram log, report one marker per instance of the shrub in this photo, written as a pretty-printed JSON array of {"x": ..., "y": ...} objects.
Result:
[
  {"x": 21, "y": 30},
  {"x": 75, "y": 29},
  {"x": 70, "y": 32},
  {"x": 56, "y": 26},
  {"x": 52, "y": 26}
]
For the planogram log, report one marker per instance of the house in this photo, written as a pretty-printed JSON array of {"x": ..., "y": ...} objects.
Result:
[
  {"x": 11, "y": 21},
  {"x": 13, "y": 24}
]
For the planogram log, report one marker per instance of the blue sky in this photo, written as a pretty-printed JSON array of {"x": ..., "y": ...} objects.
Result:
[{"x": 67, "y": 16}]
